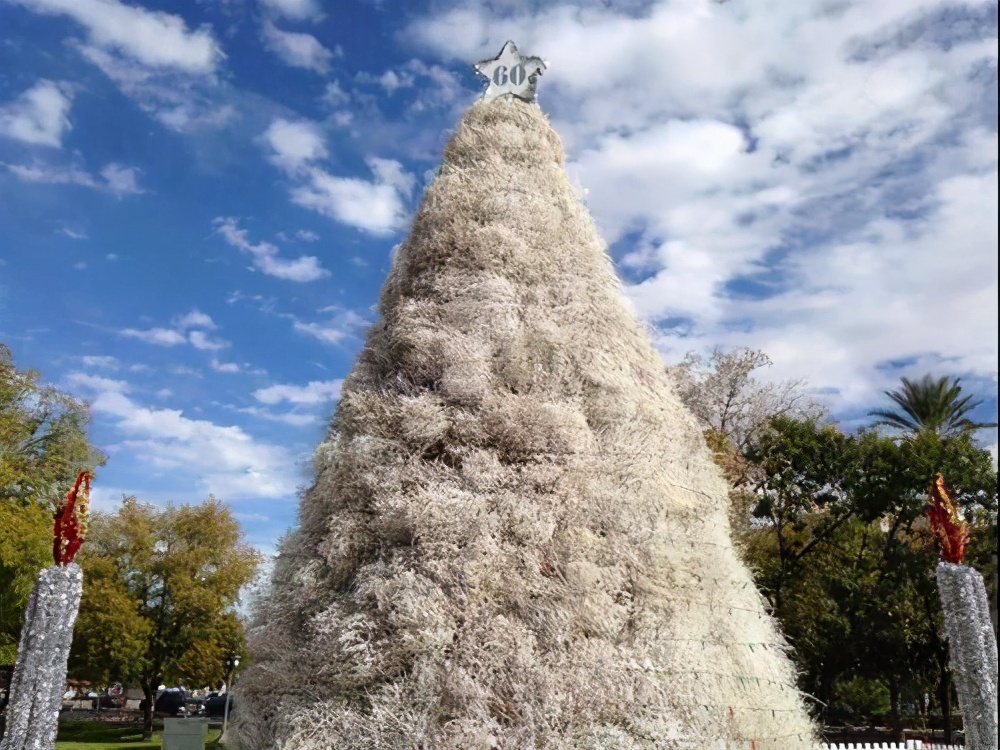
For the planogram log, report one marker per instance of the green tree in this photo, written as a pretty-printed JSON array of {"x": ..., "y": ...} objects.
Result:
[
  {"x": 43, "y": 440},
  {"x": 25, "y": 548},
  {"x": 43, "y": 444},
  {"x": 931, "y": 404},
  {"x": 842, "y": 549},
  {"x": 159, "y": 598}
]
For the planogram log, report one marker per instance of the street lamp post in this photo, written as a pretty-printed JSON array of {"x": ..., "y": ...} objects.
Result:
[{"x": 225, "y": 709}]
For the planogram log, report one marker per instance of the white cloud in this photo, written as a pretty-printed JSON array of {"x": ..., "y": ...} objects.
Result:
[
  {"x": 307, "y": 235},
  {"x": 315, "y": 392},
  {"x": 201, "y": 340},
  {"x": 295, "y": 419},
  {"x": 39, "y": 116},
  {"x": 326, "y": 334},
  {"x": 180, "y": 99},
  {"x": 153, "y": 38},
  {"x": 113, "y": 178},
  {"x": 225, "y": 367},
  {"x": 121, "y": 180},
  {"x": 299, "y": 10},
  {"x": 819, "y": 183},
  {"x": 105, "y": 362},
  {"x": 391, "y": 172},
  {"x": 185, "y": 329},
  {"x": 224, "y": 460},
  {"x": 891, "y": 296},
  {"x": 157, "y": 336},
  {"x": 342, "y": 323},
  {"x": 73, "y": 234},
  {"x": 294, "y": 144},
  {"x": 375, "y": 207},
  {"x": 334, "y": 95},
  {"x": 191, "y": 115},
  {"x": 297, "y": 49},
  {"x": 265, "y": 255},
  {"x": 194, "y": 319},
  {"x": 391, "y": 80}
]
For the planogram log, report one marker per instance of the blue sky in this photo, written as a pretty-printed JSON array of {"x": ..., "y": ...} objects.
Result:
[{"x": 199, "y": 200}]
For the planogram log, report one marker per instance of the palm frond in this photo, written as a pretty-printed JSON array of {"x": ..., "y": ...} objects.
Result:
[{"x": 934, "y": 404}]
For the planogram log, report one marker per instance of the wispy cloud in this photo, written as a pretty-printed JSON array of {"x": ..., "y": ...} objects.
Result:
[
  {"x": 182, "y": 101},
  {"x": 157, "y": 336},
  {"x": 188, "y": 328},
  {"x": 201, "y": 340},
  {"x": 39, "y": 116},
  {"x": 113, "y": 178},
  {"x": 225, "y": 367},
  {"x": 298, "y": 10},
  {"x": 339, "y": 325},
  {"x": 154, "y": 38},
  {"x": 101, "y": 361},
  {"x": 314, "y": 392},
  {"x": 296, "y": 49},
  {"x": 221, "y": 459},
  {"x": 293, "y": 418},
  {"x": 266, "y": 256}
]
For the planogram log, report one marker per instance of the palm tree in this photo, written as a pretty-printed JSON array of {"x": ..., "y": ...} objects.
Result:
[{"x": 930, "y": 404}]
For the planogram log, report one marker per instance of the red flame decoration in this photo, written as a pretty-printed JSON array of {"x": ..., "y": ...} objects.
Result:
[
  {"x": 951, "y": 532},
  {"x": 71, "y": 521}
]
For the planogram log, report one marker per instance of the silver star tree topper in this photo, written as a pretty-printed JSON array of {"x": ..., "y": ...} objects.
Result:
[{"x": 510, "y": 72}]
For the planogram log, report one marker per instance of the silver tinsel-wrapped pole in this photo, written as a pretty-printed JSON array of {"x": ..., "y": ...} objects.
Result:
[
  {"x": 972, "y": 644},
  {"x": 39, "y": 680},
  {"x": 973, "y": 651}
]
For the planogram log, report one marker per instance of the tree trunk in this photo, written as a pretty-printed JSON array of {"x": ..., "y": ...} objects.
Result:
[
  {"x": 149, "y": 694},
  {"x": 944, "y": 698},
  {"x": 896, "y": 717}
]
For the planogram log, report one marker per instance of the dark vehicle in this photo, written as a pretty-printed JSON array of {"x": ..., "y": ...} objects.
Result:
[
  {"x": 171, "y": 702},
  {"x": 215, "y": 705}
]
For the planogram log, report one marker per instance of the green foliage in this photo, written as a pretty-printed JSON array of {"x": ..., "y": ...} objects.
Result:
[
  {"x": 25, "y": 548},
  {"x": 932, "y": 405},
  {"x": 42, "y": 447},
  {"x": 43, "y": 441},
  {"x": 841, "y": 547},
  {"x": 159, "y": 595},
  {"x": 860, "y": 699}
]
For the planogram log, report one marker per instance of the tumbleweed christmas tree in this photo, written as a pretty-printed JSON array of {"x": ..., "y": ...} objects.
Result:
[{"x": 516, "y": 537}]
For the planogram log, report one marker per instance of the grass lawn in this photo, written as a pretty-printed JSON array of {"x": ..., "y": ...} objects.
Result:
[{"x": 94, "y": 735}]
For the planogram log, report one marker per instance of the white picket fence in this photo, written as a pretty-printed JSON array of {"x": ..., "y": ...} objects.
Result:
[{"x": 908, "y": 745}]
